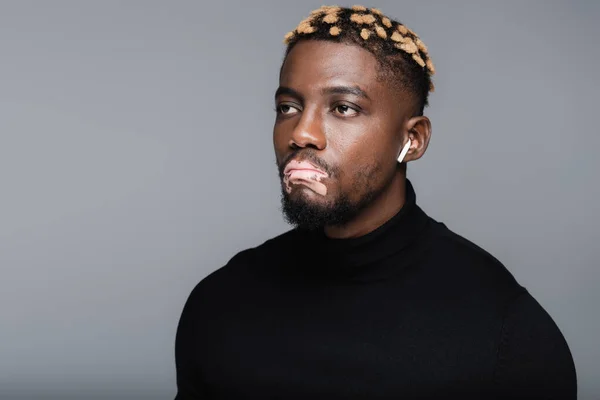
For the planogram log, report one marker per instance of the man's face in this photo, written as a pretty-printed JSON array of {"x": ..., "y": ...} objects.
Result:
[{"x": 336, "y": 112}]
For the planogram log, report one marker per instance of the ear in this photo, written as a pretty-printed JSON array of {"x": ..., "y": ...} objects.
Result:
[{"x": 419, "y": 132}]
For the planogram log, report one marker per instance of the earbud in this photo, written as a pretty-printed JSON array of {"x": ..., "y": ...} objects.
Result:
[{"x": 404, "y": 151}]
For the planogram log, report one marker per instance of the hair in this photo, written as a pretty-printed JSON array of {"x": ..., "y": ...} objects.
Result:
[{"x": 403, "y": 57}]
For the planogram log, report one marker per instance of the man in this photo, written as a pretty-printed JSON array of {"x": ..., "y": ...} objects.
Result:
[{"x": 367, "y": 297}]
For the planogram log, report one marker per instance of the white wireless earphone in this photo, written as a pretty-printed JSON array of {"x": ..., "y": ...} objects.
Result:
[{"x": 404, "y": 151}]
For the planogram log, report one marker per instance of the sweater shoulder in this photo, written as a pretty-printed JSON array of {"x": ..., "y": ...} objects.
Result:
[
  {"x": 451, "y": 241},
  {"x": 472, "y": 267},
  {"x": 533, "y": 359},
  {"x": 245, "y": 264}
]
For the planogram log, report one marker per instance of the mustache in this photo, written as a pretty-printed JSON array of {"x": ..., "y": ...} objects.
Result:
[{"x": 306, "y": 155}]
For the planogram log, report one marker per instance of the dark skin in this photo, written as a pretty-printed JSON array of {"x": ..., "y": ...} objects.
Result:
[{"x": 333, "y": 103}]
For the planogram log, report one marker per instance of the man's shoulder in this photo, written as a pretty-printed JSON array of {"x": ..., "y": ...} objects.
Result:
[
  {"x": 247, "y": 263},
  {"x": 267, "y": 251},
  {"x": 459, "y": 245},
  {"x": 470, "y": 263}
]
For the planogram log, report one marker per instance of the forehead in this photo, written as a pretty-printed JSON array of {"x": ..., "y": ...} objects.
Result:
[{"x": 314, "y": 63}]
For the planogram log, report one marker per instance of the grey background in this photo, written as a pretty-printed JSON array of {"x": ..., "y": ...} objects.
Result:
[{"x": 136, "y": 158}]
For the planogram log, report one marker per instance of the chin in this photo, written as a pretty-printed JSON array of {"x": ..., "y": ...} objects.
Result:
[
  {"x": 306, "y": 209},
  {"x": 304, "y": 194},
  {"x": 302, "y": 191}
]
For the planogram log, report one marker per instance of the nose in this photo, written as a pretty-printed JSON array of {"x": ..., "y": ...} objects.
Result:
[{"x": 309, "y": 132}]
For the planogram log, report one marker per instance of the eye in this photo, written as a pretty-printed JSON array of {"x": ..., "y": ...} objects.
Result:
[
  {"x": 286, "y": 109},
  {"x": 345, "y": 110}
]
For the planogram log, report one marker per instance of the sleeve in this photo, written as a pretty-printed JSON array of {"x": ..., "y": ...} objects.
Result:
[
  {"x": 534, "y": 360},
  {"x": 189, "y": 385}
]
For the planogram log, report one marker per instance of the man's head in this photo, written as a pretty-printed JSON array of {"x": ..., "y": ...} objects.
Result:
[{"x": 353, "y": 86}]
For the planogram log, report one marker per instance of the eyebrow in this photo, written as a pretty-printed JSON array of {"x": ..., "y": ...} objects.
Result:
[
  {"x": 352, "y": 90},
  {"x": 287, "y": 91}
]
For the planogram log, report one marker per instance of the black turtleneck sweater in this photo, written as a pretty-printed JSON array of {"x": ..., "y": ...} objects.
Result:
[{"x": 410, "y": 310}]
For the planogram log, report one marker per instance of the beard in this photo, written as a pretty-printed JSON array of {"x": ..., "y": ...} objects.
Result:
[
  {"x": 301, "y": 212},
  {"x": 307, "y": 215}
]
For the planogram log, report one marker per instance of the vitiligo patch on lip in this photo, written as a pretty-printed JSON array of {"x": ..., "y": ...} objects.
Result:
[
  {"x": 307, "y": 178},
  {"x": 304, "y": 173}
]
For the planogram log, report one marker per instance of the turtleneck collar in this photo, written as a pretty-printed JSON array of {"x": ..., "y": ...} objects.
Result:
[{"x": 340, "y": 257}]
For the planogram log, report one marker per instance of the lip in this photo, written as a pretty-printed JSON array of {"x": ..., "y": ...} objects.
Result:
[{"x": 296, "y": 165}]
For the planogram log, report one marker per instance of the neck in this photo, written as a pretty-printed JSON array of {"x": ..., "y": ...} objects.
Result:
[{"x": 379, "y": 211}]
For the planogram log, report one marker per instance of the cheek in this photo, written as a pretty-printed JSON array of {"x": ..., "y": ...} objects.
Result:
[
  {"x": 280, "y": 144},
  {"x": 364, "y": 151},
  {"x": 277, "y": 139},
  {"x": 365, "y": 163}
]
